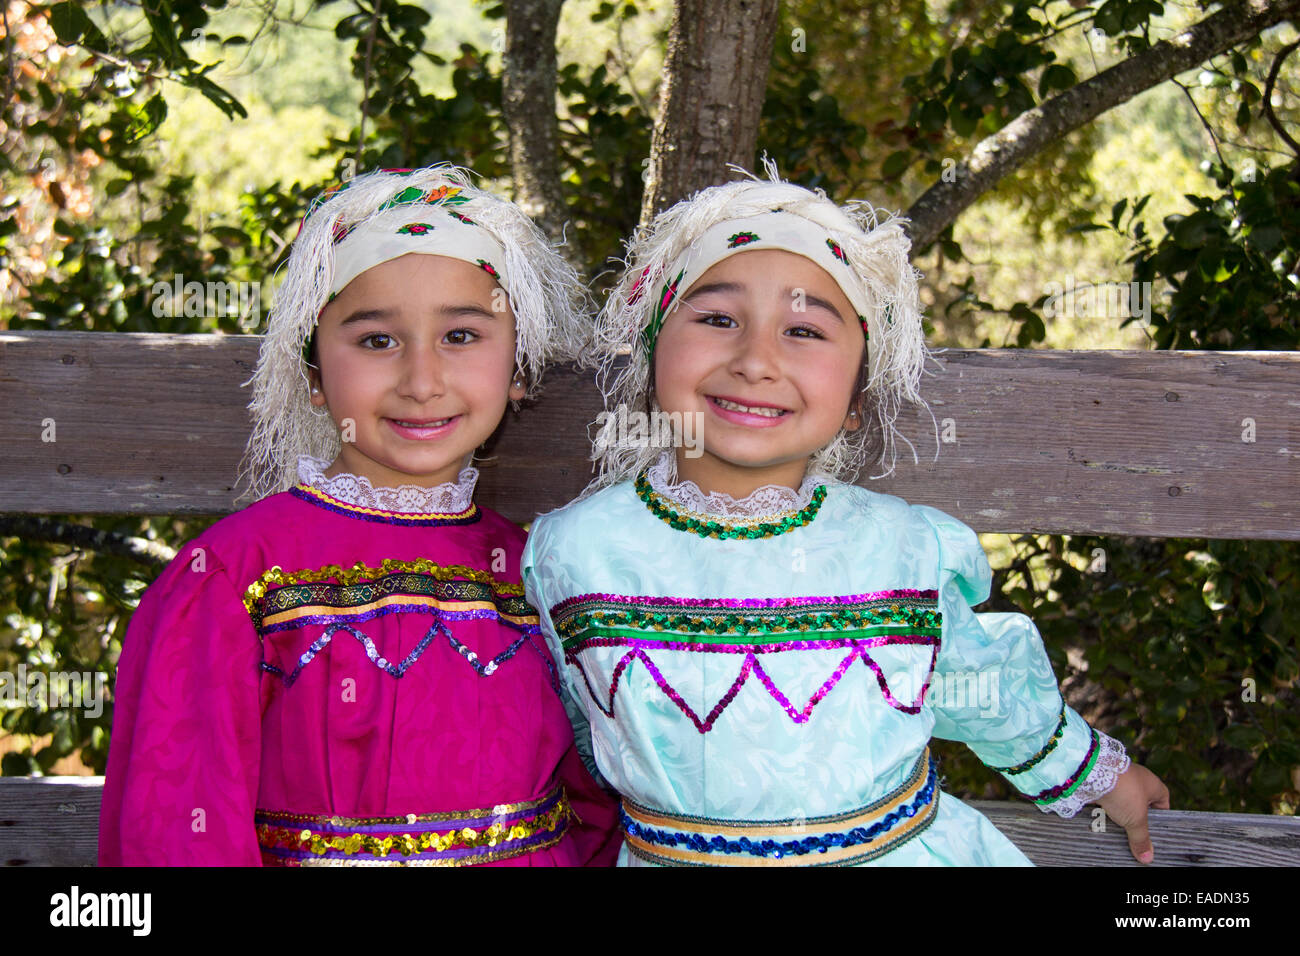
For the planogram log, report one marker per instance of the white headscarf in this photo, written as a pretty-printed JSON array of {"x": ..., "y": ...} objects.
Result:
[
  {"x": 866, "y": 255},
  {"x": 366, "y": 221}
]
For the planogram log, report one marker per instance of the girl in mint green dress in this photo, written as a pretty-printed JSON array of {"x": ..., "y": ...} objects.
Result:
[{"x": 755, "y": 653}]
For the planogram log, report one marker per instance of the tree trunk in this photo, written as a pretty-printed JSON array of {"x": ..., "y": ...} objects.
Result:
[
  {"x": 715, "y": 77},
  {"x": 1030, "y": 132},
  {"x": 528, "y": 102}
]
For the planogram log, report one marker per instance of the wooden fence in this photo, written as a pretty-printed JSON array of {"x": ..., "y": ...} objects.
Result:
[{"x": 1164, "y": 444}]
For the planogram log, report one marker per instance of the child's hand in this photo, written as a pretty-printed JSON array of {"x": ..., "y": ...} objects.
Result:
[{"x": 1136, "y": 790}]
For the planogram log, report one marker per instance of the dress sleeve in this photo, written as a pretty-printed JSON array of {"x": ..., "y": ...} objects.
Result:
[
  {"x": 994, "y": 689},
  {"x": 535, "y": 590},
  {"x": 597, "y": 836},
  {"x": 184, "y": 755}
]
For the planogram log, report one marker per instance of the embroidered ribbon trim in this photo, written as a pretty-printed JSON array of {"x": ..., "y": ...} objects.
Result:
[
  {"x": 460, "y": 838},
  {"x": 575, "y": 622},
  {"x": 390, "y": 576},
  {"x": 840, "y": 840},
  {"x": 298, "y": 603}
]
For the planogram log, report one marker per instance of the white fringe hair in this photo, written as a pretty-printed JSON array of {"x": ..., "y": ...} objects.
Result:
[
  {"x": 550, "y": 302},
  {"x": 878, "y": 250}
]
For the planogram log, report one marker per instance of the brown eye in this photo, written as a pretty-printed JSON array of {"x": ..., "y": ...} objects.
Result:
[
  {"x": 461, "y": 336},
  {"x": 805, "y": 332},
  {"x": 378, "y": 340}
]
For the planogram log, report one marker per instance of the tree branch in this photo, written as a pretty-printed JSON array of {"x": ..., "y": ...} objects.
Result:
[
  {"x": 35, "y": 528},
  {"x": 528, "y": 102},
  {"x": 1282, "y": 54},
  {"x": 1026, "y": 135}
]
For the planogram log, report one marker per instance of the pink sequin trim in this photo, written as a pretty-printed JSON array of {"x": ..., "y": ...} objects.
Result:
[{"x": 751, "y": 665}]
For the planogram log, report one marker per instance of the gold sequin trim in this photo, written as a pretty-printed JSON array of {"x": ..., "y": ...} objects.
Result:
[
  {"x": 361, "y": 571},
  {"x": 271, "y": 836}
]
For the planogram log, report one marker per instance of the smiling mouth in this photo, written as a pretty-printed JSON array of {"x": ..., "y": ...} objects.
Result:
[
  {"x": 429, "y": 423},
  {"x": 767, "y": 411}
]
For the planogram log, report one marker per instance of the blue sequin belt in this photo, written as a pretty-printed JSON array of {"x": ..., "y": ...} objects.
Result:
[{"x": 843, "y": 839}]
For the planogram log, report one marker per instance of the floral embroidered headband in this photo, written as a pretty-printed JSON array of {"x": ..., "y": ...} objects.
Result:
[
  {"x": 416, "y": 219},
  {"x": 776, "y": 229}
]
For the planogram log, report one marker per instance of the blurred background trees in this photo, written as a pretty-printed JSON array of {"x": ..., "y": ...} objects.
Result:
[{"x": 147, "y": 139}]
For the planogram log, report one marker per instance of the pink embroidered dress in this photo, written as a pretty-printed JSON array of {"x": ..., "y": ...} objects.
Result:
[{"x": 342, "y": 674}]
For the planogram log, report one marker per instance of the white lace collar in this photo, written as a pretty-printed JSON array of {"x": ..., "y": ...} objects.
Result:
[
  {"x": 761, "y": 502},
  {"x": 449, "y": 498}
]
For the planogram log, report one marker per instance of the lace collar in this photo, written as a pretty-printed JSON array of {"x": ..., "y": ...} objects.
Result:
[
  {"x": 764, "y": 512},
  {"x": 451, "y": 499},
  {"x": 765, "y": 502}
]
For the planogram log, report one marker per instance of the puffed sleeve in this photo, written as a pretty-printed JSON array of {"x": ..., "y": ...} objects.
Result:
[
  {"x": 534, "y": 576},
  {"x": 185, "y": 751},
  {"x": 994, "y": 689}
]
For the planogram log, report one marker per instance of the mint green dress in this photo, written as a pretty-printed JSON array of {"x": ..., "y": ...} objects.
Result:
[{"x": 789, "y": 669}]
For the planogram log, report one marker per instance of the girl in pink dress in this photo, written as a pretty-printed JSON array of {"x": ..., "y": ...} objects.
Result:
[{"x": 346, "y": 671}]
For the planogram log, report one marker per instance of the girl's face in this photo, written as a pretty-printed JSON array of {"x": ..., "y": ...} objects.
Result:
[
  {"x": 416, "y": 359},
  {"x": 766, "y": 345}
]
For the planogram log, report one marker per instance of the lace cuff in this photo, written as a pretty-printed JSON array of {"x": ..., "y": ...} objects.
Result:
[
  {"x": 1111, "y": 761},
  {"x": 689, "y": 497}
]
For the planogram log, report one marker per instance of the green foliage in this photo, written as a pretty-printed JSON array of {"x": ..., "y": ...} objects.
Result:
[
  {"x": 1190, "y": 653},
  {"x": 1233, "y": 265},
  {"x": 1190, "y": 658}
]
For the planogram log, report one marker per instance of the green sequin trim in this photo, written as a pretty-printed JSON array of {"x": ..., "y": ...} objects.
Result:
[
  {"x": 689, "y": 628},
  {"x": 725, "y": 530},
  {"x": 1047, "y": 749}
]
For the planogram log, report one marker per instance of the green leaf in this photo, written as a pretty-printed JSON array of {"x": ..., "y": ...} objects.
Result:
[
  {"x": 1224, "y": 272},
  {"x": 896, "y": 164},
  {"x": 1110, "y": 17},
  {"x": 1033, "y": 330},
  {"x": 1117, "y": 212},
  {"x": 934, "y": 116},
  {"x": 963, "y": 123},
  {"x": 1058, "y": 76},
  {"x": 1243, "y": 116},
  {"x": 72, "y": 26}
]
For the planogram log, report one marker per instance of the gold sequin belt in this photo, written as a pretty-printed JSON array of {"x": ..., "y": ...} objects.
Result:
[
  {"x": 458, "y": 838},
  {"x": 842, "y": 839}
]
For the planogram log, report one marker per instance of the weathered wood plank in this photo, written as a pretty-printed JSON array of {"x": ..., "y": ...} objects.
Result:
[
  {"x": 54, "y": 821},
  {"x": 1181, "y": 838},
  {"x": 1146, "y": 443},
  {"x": 49, "y": 821}
]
